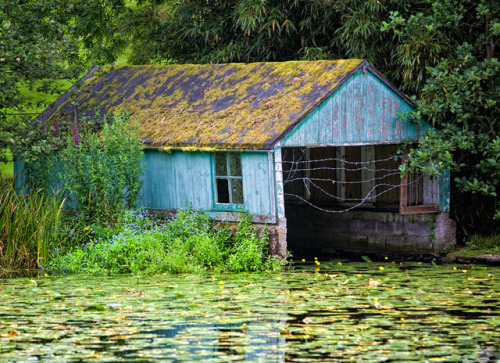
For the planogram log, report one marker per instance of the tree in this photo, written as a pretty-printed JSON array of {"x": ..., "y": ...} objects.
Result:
[
  {"x": 41, "y": 44},
  {"x": 458, "y": 92}
]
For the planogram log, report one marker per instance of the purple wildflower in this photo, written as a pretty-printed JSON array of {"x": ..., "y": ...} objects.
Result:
[
  {"x": 55, "y": 128},
  {"x": 76, "y": 137}
]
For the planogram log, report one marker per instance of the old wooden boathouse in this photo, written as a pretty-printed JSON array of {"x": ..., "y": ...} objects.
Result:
[{"x": 307, "y": 148}]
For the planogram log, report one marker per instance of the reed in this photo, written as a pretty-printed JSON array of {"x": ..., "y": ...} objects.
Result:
[{"x": 28, "y": 224}]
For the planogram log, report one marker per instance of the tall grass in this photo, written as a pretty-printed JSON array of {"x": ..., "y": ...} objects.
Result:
[
  {"x": 7, "y": 169},
  {"x": 28, "y": 224}
]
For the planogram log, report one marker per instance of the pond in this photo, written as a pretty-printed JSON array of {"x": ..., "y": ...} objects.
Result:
[{"x": 334, "y": 311}]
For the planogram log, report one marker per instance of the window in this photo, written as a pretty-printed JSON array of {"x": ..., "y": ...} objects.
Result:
[
  {"x": 228, "y": 178},
  {"x": 419, "y": 193}
]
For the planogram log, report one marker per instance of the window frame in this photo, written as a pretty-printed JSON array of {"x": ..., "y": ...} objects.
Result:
[
  {"x": 404, "y": 208},
  {"x": 227, "y": 206}
]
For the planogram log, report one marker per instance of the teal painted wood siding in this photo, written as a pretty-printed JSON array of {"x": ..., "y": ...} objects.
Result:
[
  {"x": 256, "y": 183},
  {"x": 363, "y": 110},
  {"x": 19, "y": 173},
  {"x": 444, "y": 191},
  {"x": 171, "y": 179},
  {"x": 177, "y": 178}
]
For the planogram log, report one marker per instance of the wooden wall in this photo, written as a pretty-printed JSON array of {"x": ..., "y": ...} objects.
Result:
[
  {"x": 177, "y": 178},
  {"x": 363, "y": 110}
]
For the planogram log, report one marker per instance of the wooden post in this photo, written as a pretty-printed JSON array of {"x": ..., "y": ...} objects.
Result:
[
  {"x": 368, "y": 155},
  {"x": 403, "y": 190},
  {"x": 403, "y": 197},
  {"x": 340, "y": 165},
  {"x": 279, "y": 248}
]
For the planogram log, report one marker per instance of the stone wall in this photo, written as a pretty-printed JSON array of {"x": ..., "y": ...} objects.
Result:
[{"x": 369, "y": 231}]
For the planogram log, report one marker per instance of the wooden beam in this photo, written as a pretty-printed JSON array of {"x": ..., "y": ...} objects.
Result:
[
  {"x": 403, "y": 189},
  {"x": 419, "y": 209}
]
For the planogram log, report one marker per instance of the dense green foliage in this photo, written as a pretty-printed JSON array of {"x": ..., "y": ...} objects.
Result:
[
  {"x": 28, "y": 225},
  {"x": 41, "y": 45},
  {"x": 459, "y": 94},
  {"x": 102, "y": 171},
  {"x": 189, "y": 242},
  {"x": 461, "y": 97},
  {"x": 98, "y": 164}
]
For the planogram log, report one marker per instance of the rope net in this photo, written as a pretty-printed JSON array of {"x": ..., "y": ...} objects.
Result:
[{"x": 353, "y": 177}]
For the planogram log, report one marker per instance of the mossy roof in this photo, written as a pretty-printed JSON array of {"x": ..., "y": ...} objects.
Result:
[{"x": 230, "y": 106}]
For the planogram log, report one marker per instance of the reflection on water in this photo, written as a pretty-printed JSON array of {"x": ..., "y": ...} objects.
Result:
[{"x": 331, "y": 312}]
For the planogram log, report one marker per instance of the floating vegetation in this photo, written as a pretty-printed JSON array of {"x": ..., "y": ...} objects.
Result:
[{"x": 327, "y": 311}]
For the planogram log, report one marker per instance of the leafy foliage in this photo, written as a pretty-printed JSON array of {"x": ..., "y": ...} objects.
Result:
[
  {"x": 460, "y": 96},
  {"x": 189, "y": 242},
  {"x": 41, "y": 45},
  {"x": 102, "y": 171}
]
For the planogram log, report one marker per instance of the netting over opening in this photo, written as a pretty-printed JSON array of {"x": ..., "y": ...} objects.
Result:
[{"x": 339, "y": 179}]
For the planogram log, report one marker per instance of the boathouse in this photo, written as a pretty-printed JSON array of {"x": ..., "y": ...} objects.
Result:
[{"x": 310, "y": 149}]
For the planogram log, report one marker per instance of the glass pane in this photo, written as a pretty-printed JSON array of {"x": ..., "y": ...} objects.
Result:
[
  {"x": 235, "y": 164},
  {"x": 237, "y": 191},
  {"x": 221, "y": 164},
  {"x": 222, "y": 191}
]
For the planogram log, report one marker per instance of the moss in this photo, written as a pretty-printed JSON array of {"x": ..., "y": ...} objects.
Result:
[
  {"x": 197, "y": 148},
  {"x": 167, "y": 149},
  {"x": 197, "y": 106}
]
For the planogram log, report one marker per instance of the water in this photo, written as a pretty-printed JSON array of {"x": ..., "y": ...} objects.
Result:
[{"x": 332, "y": 312}]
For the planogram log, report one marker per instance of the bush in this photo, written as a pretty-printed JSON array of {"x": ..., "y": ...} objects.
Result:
[
  {"x": 126, "y": 252},
  {"x": 189, "y": 242},
  {"x": 102, "y": 171}
]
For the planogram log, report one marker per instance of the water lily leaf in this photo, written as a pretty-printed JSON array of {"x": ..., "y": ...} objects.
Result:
[{"x": 94, "y": 307}]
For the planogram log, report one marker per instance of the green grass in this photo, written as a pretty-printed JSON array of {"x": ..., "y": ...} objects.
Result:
[
  {"x": 7, "y": 169},
  {"x": 481, "y": 245}
]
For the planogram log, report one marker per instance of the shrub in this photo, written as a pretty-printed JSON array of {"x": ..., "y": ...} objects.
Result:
[
  {"x": 249, "y": 251},
  {"x": 189, "y": 242},
  {"x": 102, "y": 171},
  {"x": 126, "y": 252}
]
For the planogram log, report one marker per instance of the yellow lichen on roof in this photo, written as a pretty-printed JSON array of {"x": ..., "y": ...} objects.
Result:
[{"x": 221, "y": 105}]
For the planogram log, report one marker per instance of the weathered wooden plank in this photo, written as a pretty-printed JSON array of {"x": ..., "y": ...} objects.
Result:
[
  {"x": 363, "y": 110},
  {"x": 171, "y": 179},
  {"x": 368, "y": 174},
  {"x": 444, "y": 191},
  {"x": 256, "y": 188},
  {"x": 420, "y": 209},
  {"x": 278, "y": 179}
]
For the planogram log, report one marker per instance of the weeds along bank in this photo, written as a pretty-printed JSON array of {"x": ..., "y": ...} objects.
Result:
[
  {"x": 143, "y": 244},
  {"x": 35, "y": 235},
  {"x": 28, "y": 226}
]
